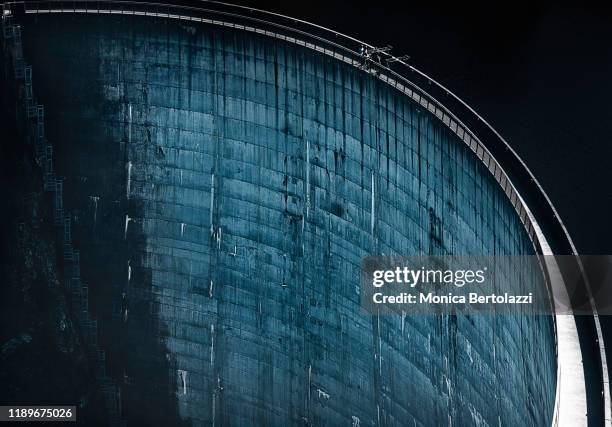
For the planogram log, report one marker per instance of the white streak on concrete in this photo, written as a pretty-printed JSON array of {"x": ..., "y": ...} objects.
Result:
[
  {"x": 183, "y": 379},
  {"x": 127, "y": 222},
  {"x": 469, "y": 351},
  {"x": 129, "y": 123},
  {"x": 309, "y": 382},
  {"x": 212, "y": 201}
]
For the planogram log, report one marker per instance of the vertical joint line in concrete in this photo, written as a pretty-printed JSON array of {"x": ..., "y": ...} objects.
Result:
[
  {"x": 372, "y": 215},
  {"x": 307, "y": 177},
  {"x": 129, "y": 179},
  {"x": 212, "y": 203}
]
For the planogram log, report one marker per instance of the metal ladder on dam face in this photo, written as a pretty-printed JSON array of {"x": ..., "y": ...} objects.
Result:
[{"x": 33, "y": 119}]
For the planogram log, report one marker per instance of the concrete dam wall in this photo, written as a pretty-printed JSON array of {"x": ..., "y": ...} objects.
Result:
[{"x": 223, "y": 188}]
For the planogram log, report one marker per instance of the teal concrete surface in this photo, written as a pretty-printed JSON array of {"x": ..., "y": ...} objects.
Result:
[{"x": 224, "y": 187}]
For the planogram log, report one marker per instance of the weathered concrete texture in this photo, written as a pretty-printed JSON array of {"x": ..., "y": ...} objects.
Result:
[{"x": 225, "y": 187}]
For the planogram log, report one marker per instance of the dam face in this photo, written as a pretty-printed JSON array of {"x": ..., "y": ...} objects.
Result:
[{"x": 223, "y": 187}]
